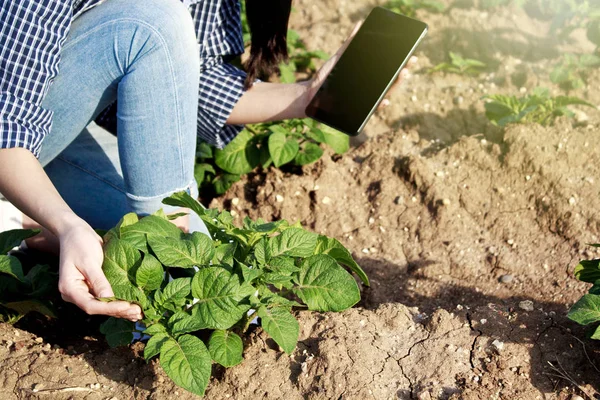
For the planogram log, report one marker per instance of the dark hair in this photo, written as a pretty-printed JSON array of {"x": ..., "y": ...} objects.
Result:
[{"x": 268, "y": 23}]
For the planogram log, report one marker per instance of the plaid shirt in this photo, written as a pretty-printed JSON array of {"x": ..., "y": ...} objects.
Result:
[{"x": 32, "y": 33}]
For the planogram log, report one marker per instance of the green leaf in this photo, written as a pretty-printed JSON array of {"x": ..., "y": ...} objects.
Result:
[
  {"x": 12, "y": 266},
  {"x": 287, "y": 72},
  {"x": 338, "y": 141},
  {"x": 586, "y": 310},
  {"x": 293, "y": 242},
  {"x": 224, "y": 254},
  {"x": 172, "y": 217},
  {"x": 176, "y": 289},
  {"x": 13, "y": 238},
  {"x": 33, "y": 305},
  {"x": 337, "y": 250},
  {"x": 204, "y": 150},
  {"x": 226, "y": 348},
  {"x": 223, "y": 182},
  {"x": 182, "y": 322},
  {"x": 283, "y": 265},
  {"x": 240, "y": 156},
  {"x": 281, "y": 325},
  {"x": 121, "y": 261},
  {"x": 309, "y": 153},
  {"x": 187, "y": 362},
  {"x": 154, "y": 344},
  {"x": 196, "y": 249},
  {"x": 118, "y": 332},
  {"x": 282, "y": 149},
  {"x": 155, "y": 329},
  {"x": 588, "y": 270},
  {"x": 325, "y": 286},
  {"x": 200, "y": 171},
  {"x": 220, "y": 295},
  {"x": 149, "y": 276},
  {"x": 130, "y": 293},
  {"x": 149, "y": 226}
]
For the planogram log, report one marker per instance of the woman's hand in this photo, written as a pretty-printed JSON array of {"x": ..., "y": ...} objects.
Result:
[
  {"x": 81, "y": 279},
  {"x": 313, "y": 85}
]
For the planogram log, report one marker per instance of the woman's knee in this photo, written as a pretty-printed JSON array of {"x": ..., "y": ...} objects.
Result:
[{"x": 163, "y": 23}]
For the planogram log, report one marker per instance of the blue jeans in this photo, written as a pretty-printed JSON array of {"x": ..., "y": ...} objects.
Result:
[{"x": 144, "y": 54}]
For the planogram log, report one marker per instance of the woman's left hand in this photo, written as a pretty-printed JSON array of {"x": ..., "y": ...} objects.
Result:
[{"x": 315, "y": 83}]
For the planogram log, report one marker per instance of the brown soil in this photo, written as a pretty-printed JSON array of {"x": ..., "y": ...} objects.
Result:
[{"x": 468, "y": 233}]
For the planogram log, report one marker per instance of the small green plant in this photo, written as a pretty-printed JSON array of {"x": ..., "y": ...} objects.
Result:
[
  {"x": 291, "y": 142},
  {"x": 460, "y": 65},
  {"x": 20, "y": 292},
  {"x": 572, "y": 72},
  {"x": 410, "y": 7},
  {"x": 587, "y": 310},
  {"x": 538, "y": 107},
  {"x": 300, "y": 58},
  {"x": 259, "y": 269}
]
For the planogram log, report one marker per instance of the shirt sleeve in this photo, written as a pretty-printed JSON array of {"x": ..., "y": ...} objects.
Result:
[
  {"x": 32, "y": 33},
  {"x": 221, "y": 87}
]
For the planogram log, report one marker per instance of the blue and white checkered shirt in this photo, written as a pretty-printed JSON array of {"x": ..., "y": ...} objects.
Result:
[{"x": 32, "y": 33}]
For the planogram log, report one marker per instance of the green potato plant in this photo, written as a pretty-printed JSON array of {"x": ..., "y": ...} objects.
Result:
[
  {"x": 460, "y": 65},
  {"x": 572, "y": 72},
  {"x": 538, "y": 107},
  {"x": 410, "y": 7},
  {"x": 259, "y": 269},
  {"x": 20, "y": 292},
  {"x": 291, "y": 142},
  {"x": 586, "y": 311}
]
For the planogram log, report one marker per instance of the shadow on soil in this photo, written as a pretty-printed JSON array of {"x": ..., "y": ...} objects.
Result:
[{"x": 553, "y": 338}]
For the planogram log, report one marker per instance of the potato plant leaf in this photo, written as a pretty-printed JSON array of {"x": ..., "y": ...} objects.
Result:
[
  {"x": 588, "y": 271},
  {"x": 150, "y": 226},
  {"x": 13, "y": 238},
  {"x": 281, "y": 325},
  {"x": 240, "y": 156},
  {"x": 154, "y": 344},
  {"x": 282, "y": 149},
  {"x": 325, "y": 286},
  {"x": 187, "y": 362},
  {"x": 194, "y": 250},
  {"x": 121, "y": 261},
  {"x": 33, "y": 305},
  {"x": 150, "y": 274},
  {"x": 220, "y": 295},
  {"x": 226, "y": 348},
  {"x": 293, "y": 242},
  {"x": 587, "y": 310},
  {"x": 118, "y": 332},
  {"x": 11, "y": 266},
  {"x": 337, "y": 250}
]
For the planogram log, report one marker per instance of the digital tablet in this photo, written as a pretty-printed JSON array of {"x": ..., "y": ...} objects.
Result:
[{"x": 366, "y": 70}]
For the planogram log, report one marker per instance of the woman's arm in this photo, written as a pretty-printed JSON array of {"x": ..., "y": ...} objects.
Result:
[{"x": 25, "y": 184}]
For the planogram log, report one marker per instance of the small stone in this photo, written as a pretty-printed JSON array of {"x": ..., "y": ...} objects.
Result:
[
  {"x": 233, "y": 213},
  {"x": 446, "y": 202},
  {"x": 510, "y": 242},
  {"x": 382, "y": 229},
  {"x": 371, "y": 220},
  {"x": 38, "y": 340},
  {"x": 508, "y": 278},
  {"x": 366, "y": 251},
  {"x": 526, "y": 305},
  {"x": 523, "y": 90},
  {"x": 235, "y": 201},
  {"x": 498, "y": 345},
  {"x": 326, "y": 200},
  {"x": 279, "y": 198},
  {"x": 373, "y": 250},
  {"x": 458, "y": 100},
  {"x": 413, "y": 98},
  {"x": 572, "y": 201},
  {"x": 36, "y": 387},
  {"x": 439, "y": 174},
  {"x": 483, "y": 321}
]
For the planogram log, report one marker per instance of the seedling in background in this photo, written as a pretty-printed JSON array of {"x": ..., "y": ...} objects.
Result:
[
  {"x": 587, "y": 310},
  {"x": 410, "y": 7},
  {"x": 538, "y": 107},
  {"x": 20, "y": 292},
  {"x": 572, "y": 72},
  {"x": 460, "y": 65},
  {"x": 259, "y": 269},
  {"x": 291, "y": 142}
]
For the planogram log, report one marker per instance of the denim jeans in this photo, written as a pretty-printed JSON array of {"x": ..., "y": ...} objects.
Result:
[{"x": 145, "y": 54}]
